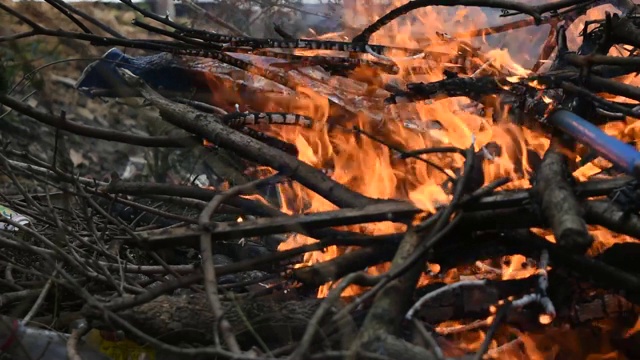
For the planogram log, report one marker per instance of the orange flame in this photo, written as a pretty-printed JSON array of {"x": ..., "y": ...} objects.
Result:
[{"x": 372, "y": 169}]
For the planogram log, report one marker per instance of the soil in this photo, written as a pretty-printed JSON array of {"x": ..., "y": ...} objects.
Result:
[{"x": 52, "y": 66}]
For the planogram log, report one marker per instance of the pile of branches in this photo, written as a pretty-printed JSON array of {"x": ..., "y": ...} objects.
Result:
[{"x": 121, "y": 263}]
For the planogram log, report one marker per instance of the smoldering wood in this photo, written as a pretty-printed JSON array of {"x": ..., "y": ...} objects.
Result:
[
  {"x": 519, "y": 217},
  {"x": 558, "y": 203},
  {"x": 282, "y": 319},
  {"x": 462, "y": 248}
]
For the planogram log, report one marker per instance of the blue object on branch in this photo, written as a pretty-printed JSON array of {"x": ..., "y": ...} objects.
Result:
[
  {"x": 161, "y": 71},
  {"x": 616, "y": 151}
]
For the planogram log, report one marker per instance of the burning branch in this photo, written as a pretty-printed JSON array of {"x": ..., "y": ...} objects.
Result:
[
  {"x": 210, "y": 128},
  {"x": 558, "y": 203}
]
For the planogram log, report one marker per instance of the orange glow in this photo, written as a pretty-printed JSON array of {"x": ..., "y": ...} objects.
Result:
[
  {"x": 373, "y": 169},
  {"x": 634, "y": 329}
]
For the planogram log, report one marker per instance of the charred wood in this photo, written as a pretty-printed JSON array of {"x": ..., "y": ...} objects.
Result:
[
  {"x": 558, "y": 204},
  {"x": 461, "y": 248},
  {"x": 281, "y": 319},
  {"x": 523, "y": 215}
]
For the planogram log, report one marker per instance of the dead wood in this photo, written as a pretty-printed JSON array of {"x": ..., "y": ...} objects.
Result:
[
  {"x": 515, "y": 198},
  {"x": 193, "y": 192},
  {"x": 519, "y": 217},
  {"x": 609, "y": 215},
  {"x": 114, "y": 258},
  {"x": 337, "y": 268},
  {"x": 189, "y": 318},
  {"x": 609, "y": 273},
  {"x": 304, "y": 224},
  {"x": 60, "y": 122},
  {"x": 177, "y": 319},
  {"x": 395, "y": 348},
  {"x": 390, "y": 304},
  {"x": 558, "y": 203}
]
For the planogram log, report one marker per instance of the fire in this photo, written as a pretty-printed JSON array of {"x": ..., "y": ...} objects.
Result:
[{"x": 372, "y": 169}]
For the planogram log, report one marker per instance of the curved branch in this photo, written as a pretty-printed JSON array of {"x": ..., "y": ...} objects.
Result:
[
  {"x": 364, "y": 36},
  {"x": 73, "y": 127}
]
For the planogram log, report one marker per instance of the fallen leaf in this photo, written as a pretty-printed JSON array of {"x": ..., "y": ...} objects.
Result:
[{"x": 77, "y": 158}]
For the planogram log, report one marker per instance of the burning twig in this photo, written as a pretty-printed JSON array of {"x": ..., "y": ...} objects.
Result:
[
  {"x": 533, "y": 11},
  {"x": 549, "y": 311},
  {"x": 558, "y": 203},
  {"x": 211, "y": 129}
]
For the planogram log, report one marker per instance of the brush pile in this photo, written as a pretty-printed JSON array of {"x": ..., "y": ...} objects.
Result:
[{"x": 427, "y": 199}]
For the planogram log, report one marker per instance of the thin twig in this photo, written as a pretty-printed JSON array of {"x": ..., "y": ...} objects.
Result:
[
  {"x": 206, "y": 251},
  {"x": 40, "y": 300}
]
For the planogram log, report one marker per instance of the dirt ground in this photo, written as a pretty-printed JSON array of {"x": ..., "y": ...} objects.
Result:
[{"x": 43, "y": 72}]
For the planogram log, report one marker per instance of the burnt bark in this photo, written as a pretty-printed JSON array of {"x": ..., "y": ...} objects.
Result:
[
  {"x": 188, "y": 319},
  {"x": 558, "y": 202},
  {"x": 177, "y": 319}
]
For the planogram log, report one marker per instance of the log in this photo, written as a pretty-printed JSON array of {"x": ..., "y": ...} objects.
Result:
[
  {"x": 280, "y": 320},
  {"x": 500, "y": 218},
  {"x": 558, "y": 203},
  {"x": 188, "y": 318}
]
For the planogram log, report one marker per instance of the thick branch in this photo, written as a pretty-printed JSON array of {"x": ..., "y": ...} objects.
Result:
[
  {"x": 73, "y": 127},
  {"x": 188, "y": 318},
  {"x": 209, "y": 126},
  {"x": 558, "y": 203}
]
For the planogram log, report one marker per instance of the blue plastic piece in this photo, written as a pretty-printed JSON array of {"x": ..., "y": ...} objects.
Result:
[
  {"x": 621, "y": 154},
  {"x": 160, "y": 71}
]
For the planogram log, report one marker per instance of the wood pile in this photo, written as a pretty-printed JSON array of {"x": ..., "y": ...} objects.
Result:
[{"x": 354, "y": 216}]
